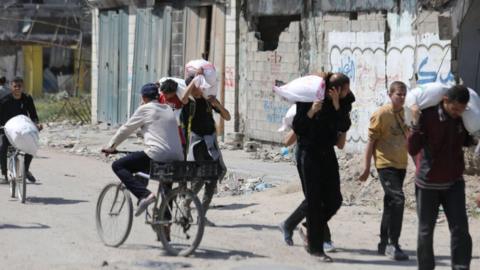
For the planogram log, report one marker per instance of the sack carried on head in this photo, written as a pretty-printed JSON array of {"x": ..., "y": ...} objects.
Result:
[{"x": 208, "y": 81}]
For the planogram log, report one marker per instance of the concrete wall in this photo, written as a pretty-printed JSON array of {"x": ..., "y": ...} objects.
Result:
[
  {"x": 375, "y": 50},
  {"x": 231, "y": 63},
  {"x": 372, "y": 48},
  {"x": 94, "y": 65},
  {"x": 260, "y": 110},
  {"x": 177, "y": 50}
]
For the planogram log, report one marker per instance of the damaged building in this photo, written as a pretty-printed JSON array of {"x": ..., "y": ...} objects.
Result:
[
  {"x": 47, "y": 42},
  {"x": 255, "y": 44}
]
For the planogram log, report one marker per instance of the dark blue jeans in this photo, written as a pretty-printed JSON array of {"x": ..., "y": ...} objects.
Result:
[
  {"x": 393, "y": 204},
  {"x": 125, "y": 167},
  {"x": 453, "y": 202}
]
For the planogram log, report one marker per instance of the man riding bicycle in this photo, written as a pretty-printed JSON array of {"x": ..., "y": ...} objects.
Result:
[
  {"x": 159, "y": 127},
  {"x": 11, "y": 105}
]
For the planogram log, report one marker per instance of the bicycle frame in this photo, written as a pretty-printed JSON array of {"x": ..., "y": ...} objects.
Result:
[{"x": 12, "y": 156}]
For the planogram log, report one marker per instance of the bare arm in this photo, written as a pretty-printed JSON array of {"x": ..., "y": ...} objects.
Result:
[
  {"x": 290, "y": 138},
  {"x": 342, "y": 139},
  {"x": 368, "y": 157},
  {"x": 187, "y": 92},
  {"x": 224, "y": 113}
]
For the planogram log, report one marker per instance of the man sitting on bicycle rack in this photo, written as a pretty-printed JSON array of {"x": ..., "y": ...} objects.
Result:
[
  {"x": 199, "y": 125},
  {"x": 159, "y": 127},
  {"x": 11, "y": 105}
]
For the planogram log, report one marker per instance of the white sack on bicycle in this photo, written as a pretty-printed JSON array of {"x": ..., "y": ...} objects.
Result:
[
  {"x": 208, "y": 81},
  {"x": 304, "y": 89},
  {"x": 23, "y": 134}
]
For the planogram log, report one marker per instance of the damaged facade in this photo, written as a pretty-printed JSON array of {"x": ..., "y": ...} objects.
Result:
[
  {"x": 47, "y": 42},
  {"x": 136, "y": 42},
  {"x": 253, "y": 44},
  {"x": 373, "y": 42}
]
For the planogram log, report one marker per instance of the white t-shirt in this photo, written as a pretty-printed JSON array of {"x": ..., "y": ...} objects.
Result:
[{"x": 159, "y": 127}]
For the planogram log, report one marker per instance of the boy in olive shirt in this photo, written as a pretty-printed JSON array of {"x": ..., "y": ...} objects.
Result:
[{"x": 388, "y": 145}]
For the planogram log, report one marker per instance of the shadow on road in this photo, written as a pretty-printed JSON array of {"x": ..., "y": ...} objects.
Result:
[
  {"x": 412, "y": 262},
  {"x": 32, "y": 226},
  {"x": 257, "y": 227},
  {"x": 222, "y": 254},
  {"x": 233, "y": 206},
  {"x": 52, "y": 200}
]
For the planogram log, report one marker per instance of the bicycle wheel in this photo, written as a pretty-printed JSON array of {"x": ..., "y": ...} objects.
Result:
[
  {"x": 182, "y": 222},
  {"x": 21, "y": 178},
  {"x": 114, "y": 214}
]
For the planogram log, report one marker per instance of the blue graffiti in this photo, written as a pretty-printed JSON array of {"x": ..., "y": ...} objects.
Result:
[
  {"x": 431, "y": 76},
  {"x": 274, "y": 112},
  {"x": 347, "y": 67}
]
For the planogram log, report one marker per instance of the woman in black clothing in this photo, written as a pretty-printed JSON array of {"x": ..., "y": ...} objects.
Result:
[{"x": 317, "y": 126}]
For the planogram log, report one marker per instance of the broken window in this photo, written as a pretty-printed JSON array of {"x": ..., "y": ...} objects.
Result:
[{"x": 268, "y": 29}]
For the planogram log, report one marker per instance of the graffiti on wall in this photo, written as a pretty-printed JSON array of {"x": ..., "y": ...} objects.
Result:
[
  {"x": 229, "y": 77},
  {"x": 274, "y": 111},
  {"x": 371, "y": 70}
]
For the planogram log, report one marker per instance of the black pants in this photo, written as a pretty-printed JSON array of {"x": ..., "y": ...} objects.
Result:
[
  {"x": 393, "y": 204},
  {"x": 300, "y": 212},
  {"x": 200, "y": 153},
  {"x": 3, "y": 155},
  {"x": 132, "y": 163},
  {"x": 453, "y": 202},
  {"x": 319, "y": 169}
]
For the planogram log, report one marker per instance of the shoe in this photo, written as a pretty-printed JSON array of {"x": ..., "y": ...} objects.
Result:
[
  {"x": 381, "y": 248},
  {"x": 396, "y": 253},
  {"x": 209, "y": 223},
  {"x": 321, "y": 255},
  {"x": 287, "y": 234},
  {"x": 30, "y": 177},
  {"x": 144, "y": 203},
  {"x": 329, "y": 247}
]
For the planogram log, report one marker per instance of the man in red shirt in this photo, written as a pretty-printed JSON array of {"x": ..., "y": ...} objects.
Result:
[
  {"x": 168, "y": 95},
  {"x": 436, "y": 142}
]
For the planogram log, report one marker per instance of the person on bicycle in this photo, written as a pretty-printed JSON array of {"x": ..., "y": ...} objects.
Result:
[
  {"x": 199, "y": 125},
  {"x": 168, "y": 95},
  {"x": 11, "y": 105},
  {"x": 159, "y": 127}
]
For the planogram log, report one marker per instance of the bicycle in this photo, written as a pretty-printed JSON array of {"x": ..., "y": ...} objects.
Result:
[
  {"x": 178, "y": 220},
  {"x": 16, "y": 173}
]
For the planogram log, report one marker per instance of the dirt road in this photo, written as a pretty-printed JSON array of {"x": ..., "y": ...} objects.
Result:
[{"x": 55, "y": 229}]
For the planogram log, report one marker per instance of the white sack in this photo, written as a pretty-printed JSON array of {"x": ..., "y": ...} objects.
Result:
[
  {"x": 180, "y": 82},
  {"x": 424, "y": 96},
  {"x": 288, "y": 118},
  {"x": 471, "y": 116},
  {"x": 431, "y": 94},
  {"x": 23, "y": 134},
  {"x": 304, "y": 89},
  {"x": 208, "y": 83}
]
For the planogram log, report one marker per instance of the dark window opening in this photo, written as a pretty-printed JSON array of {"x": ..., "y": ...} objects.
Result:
[
  {"x": 353, "y": 16},
  {"x": 269, "y": 28}
]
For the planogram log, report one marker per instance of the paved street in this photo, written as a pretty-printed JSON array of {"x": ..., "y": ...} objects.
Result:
[{"x": 56, "y": 228}]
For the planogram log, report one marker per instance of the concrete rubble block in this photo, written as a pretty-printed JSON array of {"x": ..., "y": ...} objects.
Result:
[{"x": 251, "y": 146}]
